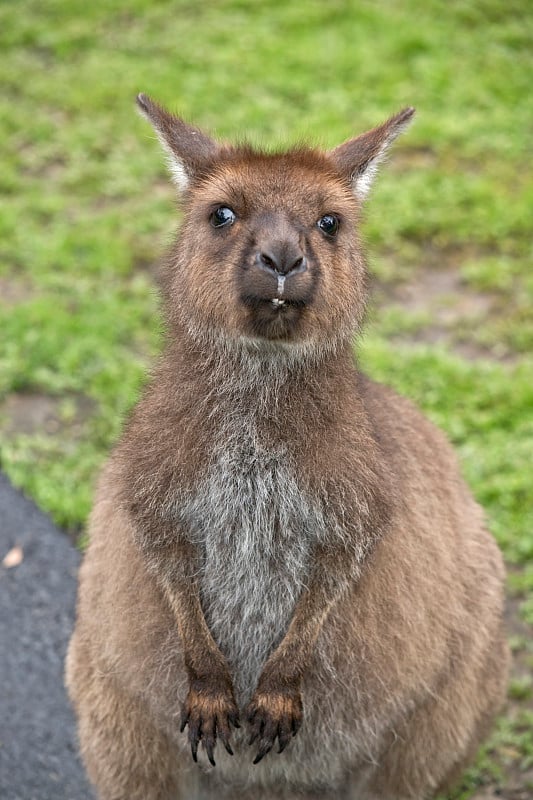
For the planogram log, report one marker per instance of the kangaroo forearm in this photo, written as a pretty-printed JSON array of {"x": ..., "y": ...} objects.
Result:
[
  {"x": 327, "y": 584},
  {"x": 295, "y": 650},
  {"x": 202, "y": 655},
  {"x": 174, "y": 563}
]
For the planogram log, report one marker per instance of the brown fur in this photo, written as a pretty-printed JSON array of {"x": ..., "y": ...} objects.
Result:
[{"x": 379, "y": 593}]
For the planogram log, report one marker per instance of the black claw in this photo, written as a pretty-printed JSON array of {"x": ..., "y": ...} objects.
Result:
[
  {"x": 195, "y": 734},
  {"x": 234, "y": 719},
  {"x": 209, "y": 744},
  {"x": 183, "y": 720},
  {"x": 257, "y": 729},
  {"x": 209, "y": 741},
  {"x": 284, "y": 734},
  {"x": 262, "y": 753},
  {"x": 257, "y": 733},
  {"x": 224, "y": 731},
  {"x": 227, "y": 745}
]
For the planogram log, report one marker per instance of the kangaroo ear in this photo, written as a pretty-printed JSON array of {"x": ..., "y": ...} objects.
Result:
[
  {"x": 188, "y": 149},
  {"x": 358, "y": 159}
]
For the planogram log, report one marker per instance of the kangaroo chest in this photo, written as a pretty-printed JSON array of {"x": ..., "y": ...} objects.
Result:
[{"x": 256, "y": 529}]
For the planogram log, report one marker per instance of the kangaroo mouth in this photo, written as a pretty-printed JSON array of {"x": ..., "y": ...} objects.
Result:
[{"x": 274, "y": 317}]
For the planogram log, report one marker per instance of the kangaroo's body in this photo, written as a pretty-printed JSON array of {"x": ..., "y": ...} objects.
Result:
[{"x": 276, "y": 537}]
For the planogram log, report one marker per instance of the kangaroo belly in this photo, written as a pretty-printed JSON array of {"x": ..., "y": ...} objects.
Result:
[{"x": 255, "y": 528}]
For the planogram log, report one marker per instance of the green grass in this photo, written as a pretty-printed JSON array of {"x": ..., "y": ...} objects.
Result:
[{"x": 86, "y": 209}]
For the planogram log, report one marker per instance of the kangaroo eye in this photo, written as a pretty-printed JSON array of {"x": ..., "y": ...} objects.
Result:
[
  {"x": 328, "y": 224},
  {"x": 222, "y": 216}
]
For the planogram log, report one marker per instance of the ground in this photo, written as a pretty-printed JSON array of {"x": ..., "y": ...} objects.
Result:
[{"x": 86, "y": 212}]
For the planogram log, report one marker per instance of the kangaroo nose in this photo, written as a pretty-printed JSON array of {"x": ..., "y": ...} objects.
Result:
[{"x": 282, "y": 260}]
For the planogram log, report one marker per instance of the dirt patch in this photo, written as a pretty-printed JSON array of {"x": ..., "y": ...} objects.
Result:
[
  {"x": 33, "y": 412},
  {"x": 440, "y": 291},
  {"x": 450, "y": 306},
  {"x": 14, "y": 290},
  {"x": 51, "y": 170}
]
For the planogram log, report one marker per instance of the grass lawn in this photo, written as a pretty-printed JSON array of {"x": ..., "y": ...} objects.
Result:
[{"x": 86, "y": 210}]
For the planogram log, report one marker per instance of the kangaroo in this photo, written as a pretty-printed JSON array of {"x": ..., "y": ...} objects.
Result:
[{"x": 287, "y": 581}]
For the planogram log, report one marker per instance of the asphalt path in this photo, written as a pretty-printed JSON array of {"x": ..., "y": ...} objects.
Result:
[{"x": 38, "y": 752}]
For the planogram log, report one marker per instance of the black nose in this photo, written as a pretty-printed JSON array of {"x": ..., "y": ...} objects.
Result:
[{"x": 282, "y": 260}]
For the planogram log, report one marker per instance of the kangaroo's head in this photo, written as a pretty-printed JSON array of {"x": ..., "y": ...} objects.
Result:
[{"x": 269, "y": 250}]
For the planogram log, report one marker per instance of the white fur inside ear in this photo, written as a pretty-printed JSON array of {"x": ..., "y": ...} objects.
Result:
[
  {"x": 363, "y": 178},
  {"x": 175, "y": 166},
  {"x": 362, "y": 181}
]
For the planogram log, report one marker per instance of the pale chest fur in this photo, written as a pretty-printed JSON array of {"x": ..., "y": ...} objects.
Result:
[{"x": 255, "y": 528}]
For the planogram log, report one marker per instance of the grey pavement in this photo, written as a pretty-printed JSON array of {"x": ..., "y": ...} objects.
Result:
[{"x": 38, "y": 753}]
